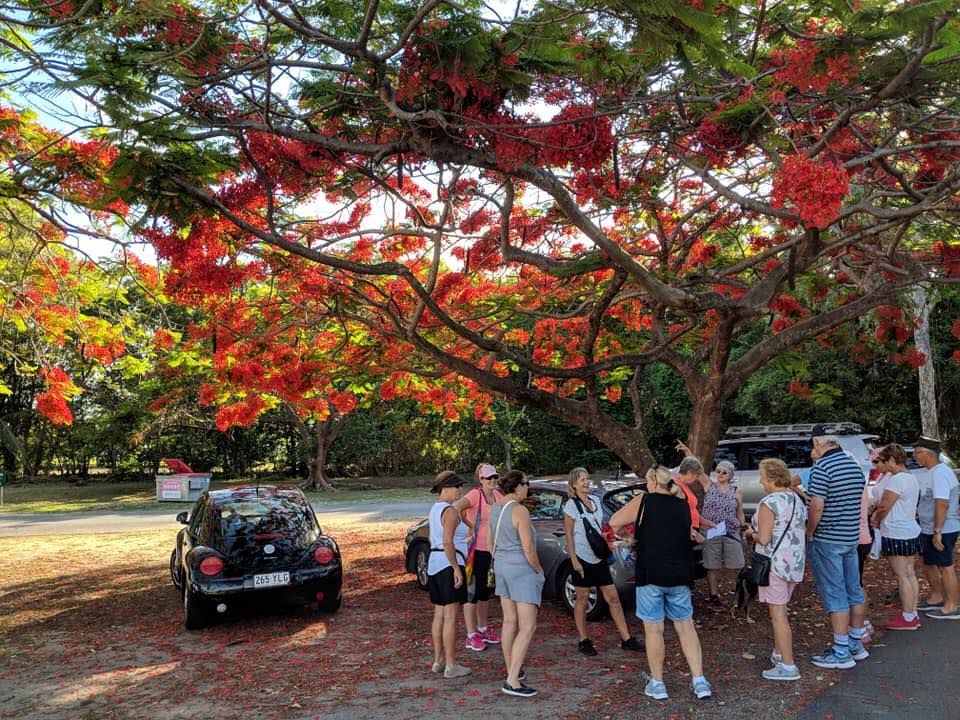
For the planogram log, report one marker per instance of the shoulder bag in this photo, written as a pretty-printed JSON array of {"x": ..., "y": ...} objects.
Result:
[
  {"x": 595, "y": 540},
  {"x": 758, "y": 569},
  {"x": 491, "y": 577}
]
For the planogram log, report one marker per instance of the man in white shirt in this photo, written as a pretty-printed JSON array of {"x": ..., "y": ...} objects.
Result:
[{"x": 939, "y": 518}]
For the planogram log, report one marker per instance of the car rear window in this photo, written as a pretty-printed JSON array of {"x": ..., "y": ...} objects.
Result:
[
  {"x": 549, "y": 505},
  {"x": 618, "y": 498},
  {"x": 795, "y": 453},
  {"x": 261, "y": 516}
]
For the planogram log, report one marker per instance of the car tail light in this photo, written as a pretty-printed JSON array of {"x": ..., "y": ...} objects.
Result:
[
  {"x": 323, "y": 555},
  {"x": 211, "y": 566}
]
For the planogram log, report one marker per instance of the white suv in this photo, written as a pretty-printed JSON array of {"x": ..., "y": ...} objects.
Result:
[{"x": 745, "y": 446}]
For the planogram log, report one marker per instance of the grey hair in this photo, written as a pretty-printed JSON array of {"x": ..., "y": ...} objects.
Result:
[
  {"x": 727, "y": 465},
  {"x": 827, "y": 440},
  {"x": 690, "y": 465}
]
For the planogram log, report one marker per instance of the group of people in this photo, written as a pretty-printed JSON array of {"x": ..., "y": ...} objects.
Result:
[{"x": 831, "y": 519}]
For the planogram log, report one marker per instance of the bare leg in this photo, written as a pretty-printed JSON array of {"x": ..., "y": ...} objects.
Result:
[
  {"x": 616, "y": 610},
  {"x": 483, "y": 613},
  {"x": 841, "y": 621},
  {"x": 450, "y": 632},
  {"x": 858, "y": 616},
  {"x": 690, "y": 644},
  {"x": 527, "y": 624},
  {"x": 509, "y": 630},
  {"x": 713, "y": 580},
  {"x": 580, "y": 612},
  {"x": 951, "y": 589},
  {"x": 470, "y": 616},
  {"x": 653, "y": 638},
  {"x": 782, "y": 635},
  {"x": 935, "y": 594},
  {"x": 437, "y": 633},
  {"x": 906, "y": 581}
]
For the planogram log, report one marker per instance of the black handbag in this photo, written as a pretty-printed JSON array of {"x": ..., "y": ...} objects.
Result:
[
  {"x": 758, "y": 571},
  {"x": 596, "y": 541}
]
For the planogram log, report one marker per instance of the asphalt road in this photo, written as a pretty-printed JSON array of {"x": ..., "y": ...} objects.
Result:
[{"x": 26, "y": 524}]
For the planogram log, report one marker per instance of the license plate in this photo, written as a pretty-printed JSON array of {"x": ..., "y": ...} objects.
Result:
[{"x": 271, "y": 579}]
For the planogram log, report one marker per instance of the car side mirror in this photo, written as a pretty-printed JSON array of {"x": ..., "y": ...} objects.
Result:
[{"x": 182, "y": 517}]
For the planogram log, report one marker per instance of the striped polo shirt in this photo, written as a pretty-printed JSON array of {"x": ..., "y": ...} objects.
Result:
[{"x": 839, "y": 480}]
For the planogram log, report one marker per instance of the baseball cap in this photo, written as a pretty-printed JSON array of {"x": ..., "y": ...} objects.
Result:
[
  {"x": 487, "y": 471},
  {"x": 818, "y": 430}
]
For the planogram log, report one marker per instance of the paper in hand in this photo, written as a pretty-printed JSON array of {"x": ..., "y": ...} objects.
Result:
[{"x": 718, "y": 531}]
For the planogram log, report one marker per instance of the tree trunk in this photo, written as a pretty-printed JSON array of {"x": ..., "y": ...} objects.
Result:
[
  {"x": 317, "y": 464},
  {"x": 705, "y": 424},
  {"x": 507, "y": 454},
  {"x": 922, "y": 301}
]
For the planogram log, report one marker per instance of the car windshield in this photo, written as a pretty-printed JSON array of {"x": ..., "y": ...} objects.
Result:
[{"x": 261, "y": 516}]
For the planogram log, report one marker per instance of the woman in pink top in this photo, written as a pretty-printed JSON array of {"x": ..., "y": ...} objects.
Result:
[{"x": 474, "y": 508}]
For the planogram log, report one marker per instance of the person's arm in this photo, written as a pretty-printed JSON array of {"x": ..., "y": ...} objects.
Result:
[
  {"x": 814, "y": 513},
  {"x": 765, "y": 520},
  {"x": 450, "y": 520},
  {"x": 525, "y": 529},
  {"x": 941, "y": 504},
  {"x": 682, "y": 447},
  {"x": 887, "y": 501},
  {"x": 568, "y": 527},
  {"x": 740, "y": 516},
  {"x": 625, "y": 516}
]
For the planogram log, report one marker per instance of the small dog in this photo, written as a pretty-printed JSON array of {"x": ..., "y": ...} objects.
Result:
[{"x": 747, "y": 592}]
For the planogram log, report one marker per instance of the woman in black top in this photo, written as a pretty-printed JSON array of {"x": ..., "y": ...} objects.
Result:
[{"x": 660, "y": 522}]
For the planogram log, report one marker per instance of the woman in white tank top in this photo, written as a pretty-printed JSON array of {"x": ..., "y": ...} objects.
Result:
[{"x": 445, "y": 575}]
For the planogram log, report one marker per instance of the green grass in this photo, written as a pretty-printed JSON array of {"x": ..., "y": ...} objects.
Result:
[{"x": 56, "y": 497}]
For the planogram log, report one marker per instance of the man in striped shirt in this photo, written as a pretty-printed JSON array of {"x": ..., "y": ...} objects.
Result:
[{"x": 833, "y": 529}]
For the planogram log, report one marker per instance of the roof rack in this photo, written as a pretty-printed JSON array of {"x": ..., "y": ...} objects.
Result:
[{"x": 839, "y": 428}]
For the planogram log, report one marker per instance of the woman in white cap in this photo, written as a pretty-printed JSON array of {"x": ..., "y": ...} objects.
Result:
[
  {"x": 445, "y": 574},
  {"x": 474, "y": 507}
]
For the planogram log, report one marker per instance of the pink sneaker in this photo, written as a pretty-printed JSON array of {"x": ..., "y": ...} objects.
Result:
[
  {"x": 490, "y": 636},
  {"x": 899, "y": 623},
  {"x": 476, "y": 643}
]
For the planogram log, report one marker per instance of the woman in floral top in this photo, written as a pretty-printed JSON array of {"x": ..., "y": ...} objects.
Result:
[{"x": 781, "y": 514}]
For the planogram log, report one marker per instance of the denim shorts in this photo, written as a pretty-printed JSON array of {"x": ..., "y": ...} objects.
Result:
[
  {"x": 837, "y": 575},
  {"x": 938, "y": 558},
  {"x": 654, "y": 601}
]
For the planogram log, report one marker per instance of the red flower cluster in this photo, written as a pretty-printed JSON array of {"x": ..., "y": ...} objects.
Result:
[
  {"x": 803, "y": 68},
  {"x": 52, "y": 403},
  {"x": 801, "y": 390},
  {"x": 240, "y": 414},
  {"x": 580, "y": 137},
  {"x": 815, "y": 188}
]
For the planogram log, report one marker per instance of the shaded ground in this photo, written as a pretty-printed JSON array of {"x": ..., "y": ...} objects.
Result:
[{"x": 90, "y": 627}]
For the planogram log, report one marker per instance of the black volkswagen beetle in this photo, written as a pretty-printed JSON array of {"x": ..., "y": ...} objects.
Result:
[{"x": 252, "y": 541}]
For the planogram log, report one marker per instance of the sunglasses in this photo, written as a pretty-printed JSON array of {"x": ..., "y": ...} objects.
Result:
[{"x": 491, "y": 477}]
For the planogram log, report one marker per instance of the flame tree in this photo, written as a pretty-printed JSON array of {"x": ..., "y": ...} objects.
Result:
[{"x": 535, "y": 205}]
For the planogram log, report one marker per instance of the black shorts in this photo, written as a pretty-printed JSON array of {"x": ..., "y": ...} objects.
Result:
[
  {"x": 934, "y": 557},
  {"x": 479, "y": 591},
  {"x": 891, "y": 547},
  {"x": 442, "y": 591},
  {"x": 594, "y": 574}
]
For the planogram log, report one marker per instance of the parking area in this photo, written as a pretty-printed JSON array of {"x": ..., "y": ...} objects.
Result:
[{"x": 90, "y": 627}]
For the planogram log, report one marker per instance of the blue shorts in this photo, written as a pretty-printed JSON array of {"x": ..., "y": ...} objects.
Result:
[
  {"x": 938, "y": 558},
  {"x": 836, "y": 572},
  {"x": 654, "y": 601}
]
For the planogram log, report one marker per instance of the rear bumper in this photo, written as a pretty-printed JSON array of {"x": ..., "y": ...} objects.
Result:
[{"x": 303, "y": 582}]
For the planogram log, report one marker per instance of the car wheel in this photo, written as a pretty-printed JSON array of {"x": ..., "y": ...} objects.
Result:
[
  {"x": 421, "y": 560},
  {"x": 175, "y": 570},
  {"x": 596, "y": 605},
  {"x": 195, "y": 612},
  {"x": 330, "y": 604}
]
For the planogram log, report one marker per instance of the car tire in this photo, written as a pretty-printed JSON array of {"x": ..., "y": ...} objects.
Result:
[
  {"x": 175, "y": 570},
  {"x": 196, "y": 615},
  {"x": 330, "y": 605},
  {"x": 421, "y": 561},
  {"x": 596, "y": 605}
]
